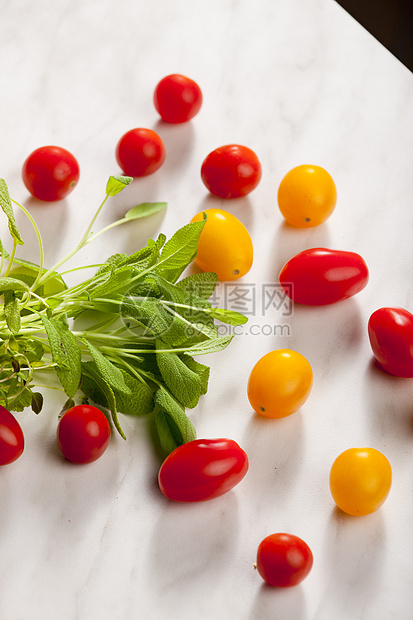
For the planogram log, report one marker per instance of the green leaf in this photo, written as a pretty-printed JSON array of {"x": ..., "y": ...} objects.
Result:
[
  {"x": 68, "y": 405},
  {"x": 32, "y": 349},
  {"x": 65, "y": 353},
  {"x": 37, "y": 402},
  {"x": 192, "y": 308},
  {"x": 172, "y": 424},
  {"x": 11, "y": 284},
  {"x": 201, "y": 370},
  {"x": 199, "y": 284},
  {"x": 118, "y": 282},
  {"x": 183, "y": 383},
  {"x": 12, "y": 312},
  {"x": 20, "y": 402},
  {"x": 116, "y": 184},
  {"x": 110, "y": 373},
  {"x": 140, "y": 402},
  {"x": 210, "y": 346},
  {"x": 145, "y": 209},
  {"x": 174, "y": 293},
  {"x": 5, "y": 204},
  {"x": 180, "y": 250},
  {"x": 156, "y": 320},
  {"x": 112, "y": 262},
  {"x": 3, "y": 251},
  {"x": 90, "y": 388},
  {"x": 138, "y": 258},
  {"x": 27, "y": 272},
  {"x": 227, "y": 316},
  {"x": 160, "y": 241},
  {"x": 90, "y": 370}
]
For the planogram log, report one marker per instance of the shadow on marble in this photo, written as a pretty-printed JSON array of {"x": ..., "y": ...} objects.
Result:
[
  {"x": 52, "y": 220},
  {"x": 179, "y": 141},
  {"x": 240, "y": 207},
  {"x": 142, "y": 189},
  {"x": 135, "y": 234},
  {"x": 388, "y": 402},
  {"x": 191, "y": 544},
  {"x": 272, "y": 446},
  {"x": 326, "y": 334},
  {"x": 289, "y": 241},
  {"x": 272, "y": 603},
  {"x": 352, "y": 556}
]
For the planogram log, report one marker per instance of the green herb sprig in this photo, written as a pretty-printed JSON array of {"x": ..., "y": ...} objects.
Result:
[{"x": 124, "y": 338}]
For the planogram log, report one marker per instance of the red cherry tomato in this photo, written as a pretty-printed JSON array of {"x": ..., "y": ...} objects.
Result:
[
  {"x": 50, "y": 173},
  {"x": 83, "y": 434},
  {"x": 140, "y": 152},
  {"x": 177, "y": 98},
  {"x": 284, "y": 560},
  {"x": 11, "y": 437},
  {"x": 318, "y": 276},
  {"x": 202, "y": 469},
  {"x": 231, "y": 171},
  {"x": 391, "y": 338}
]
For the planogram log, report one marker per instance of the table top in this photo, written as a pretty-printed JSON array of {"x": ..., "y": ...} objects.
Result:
[{"x": 299, "y": 82}]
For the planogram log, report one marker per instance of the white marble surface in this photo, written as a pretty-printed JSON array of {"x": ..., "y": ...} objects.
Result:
[{"x": 299, "y": 82}]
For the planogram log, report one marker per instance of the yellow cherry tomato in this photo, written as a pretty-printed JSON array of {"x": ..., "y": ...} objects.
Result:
[
  {"x": 360, "y": 480},
  {"x": 225, "y": 245},
  {"x": 280, "y": 383},
  {"x": 307, "y": 196}
]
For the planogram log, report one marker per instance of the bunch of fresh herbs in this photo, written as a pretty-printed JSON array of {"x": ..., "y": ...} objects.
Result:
[{"x": 124, "y": 338}]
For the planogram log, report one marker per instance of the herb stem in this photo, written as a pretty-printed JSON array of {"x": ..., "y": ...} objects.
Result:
[
  {"x": 11, "y": 258},
  {"x": 84, "y": 241},
  {"x": 39, "y": 240},
  {"x": 108, "y": 227}
]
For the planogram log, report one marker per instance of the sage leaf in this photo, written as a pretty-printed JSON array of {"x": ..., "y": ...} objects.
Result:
[
  {"x": 37, "y": 402},
  {"x": 156, "y": 320},
  {"x": 209, "y": 346},
  {"x": 90, "y": 388},
  {"x": 33, "y": 350},
  {"x": 180, "y": 250},
  {"x": 12, "y": 284},
  {"x": 12, "y": 312},
  {"x": 91, "y": 371},
  {"x": 118, "y": 282},
  {"x": 201, "y": 370},
  {"x": 116, "y": 184},
  {"x": 68, "y": 405},
  {"x": 21, "y": 401},
  {"x": 112, "y": 262},
  {"x": 227, "y": 316},
  {"x": 141, "y": 400},
  {"x": 145, "y": 209},
  {"x": 5, "y": 204},
  {"x": 110, "y": 373},
  {"x": 65, "y": 353},
  {"x": 199, "y": 284},
  {"x": 3, "y": 251},
  {"x": 183, "y": 383},
  {"x": 172, "y": 424}
]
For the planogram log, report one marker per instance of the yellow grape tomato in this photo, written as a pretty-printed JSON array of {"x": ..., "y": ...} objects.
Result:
[
  {"x": 280, "y": 383},
  {"x": 307, "y": 196},
  {"x": 360, "y": 480},
  {"x": 225, "y": 246}
]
